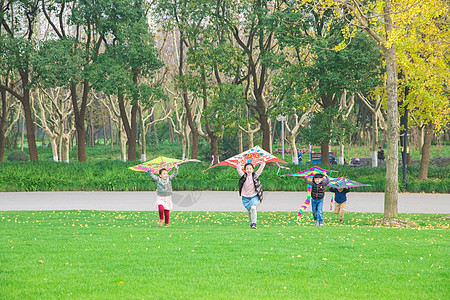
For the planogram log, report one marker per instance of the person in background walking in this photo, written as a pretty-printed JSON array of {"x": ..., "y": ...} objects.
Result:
[{"x": 380, "y": 154}]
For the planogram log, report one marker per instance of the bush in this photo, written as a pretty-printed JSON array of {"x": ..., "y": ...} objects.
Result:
[
  {"x": 18, "y": 156},
  {"x": 441, "y": 161}
]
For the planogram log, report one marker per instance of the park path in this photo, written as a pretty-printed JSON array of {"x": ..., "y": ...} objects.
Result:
[{"x": 211, "y": 201}]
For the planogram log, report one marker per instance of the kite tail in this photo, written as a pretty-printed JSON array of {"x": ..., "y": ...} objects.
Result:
[
  {"x": 279, "y": 168},
  {"x": 307, "y": 202},
  {"x": 331, "y": 202}
]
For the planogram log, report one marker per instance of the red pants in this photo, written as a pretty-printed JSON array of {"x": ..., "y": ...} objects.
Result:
[{"x": 163, "y": 213}]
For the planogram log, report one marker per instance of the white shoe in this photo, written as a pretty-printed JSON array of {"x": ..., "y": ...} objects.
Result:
[
  {"x": 321, "y": 224},
  {"x": 316, "y": 223}
]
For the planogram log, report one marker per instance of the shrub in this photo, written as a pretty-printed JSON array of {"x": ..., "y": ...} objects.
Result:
[
  {"x": 18, "y": 156},
  {"x": 441, "y": 161}
]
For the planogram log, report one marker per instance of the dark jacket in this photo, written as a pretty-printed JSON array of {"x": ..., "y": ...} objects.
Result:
[
  {"x": 340, "y": 197},
  {"x": 256, "y": 182},
  {"x": 318, "y": 190},
  {"x": 381, "y": 154}
]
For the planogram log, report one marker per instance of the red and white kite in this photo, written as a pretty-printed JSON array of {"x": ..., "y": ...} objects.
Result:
[{"x": 255, "y": 156}]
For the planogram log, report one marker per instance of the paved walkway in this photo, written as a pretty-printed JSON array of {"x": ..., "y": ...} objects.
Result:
[{"x": 212, "y": 201}]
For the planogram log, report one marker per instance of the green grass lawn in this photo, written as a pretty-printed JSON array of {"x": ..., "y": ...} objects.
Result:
[{"x": 215, "y": 255}]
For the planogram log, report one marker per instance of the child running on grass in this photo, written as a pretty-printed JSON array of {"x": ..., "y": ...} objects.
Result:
[
  {"x": 317, "y": 194},
  {"x": 250, "y": 189},
  {"x": 164, "y": 193},
  {"x": 340, "y": 201}
]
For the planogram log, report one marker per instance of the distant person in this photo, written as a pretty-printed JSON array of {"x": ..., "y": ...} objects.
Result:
[
  {"x": 340, "y": 201},
  {"x": 317, "y": 194},
  {"x": 250, "y": 189},
  {"x": 299, "y": 156},
  {"x": 380, "y": 154},
  {"x": 164, "y": 193},
  {"x": 333, "y": 161},
  {"x": 357, "y": 162}
]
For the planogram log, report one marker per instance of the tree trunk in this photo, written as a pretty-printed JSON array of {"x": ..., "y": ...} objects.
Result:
[
  {"x": 22, "y": 140},
  {"x": 111, "y": 131},
  {"x": 3, "y": 122},
  {"x": 171, "y": 135},
  {"x": 241, "y": 141},
  {"x": 325, "y": 153},
  {"x": 142, "y": 139},
  {"x": 374, "y": 139},
  {"x": 215, "y": 148},
  {"x": 122, "y": 141},
  {"x": 341, "y": 153},
  {"x": 293, "y": 147},
  {"x": 31, "y": 137},
  {"x": 80, "y": 113},
  {"x": 65, "y": 148},
  {"x": 266, "y": 134},
  {"x": 425, "y": 160},
  {"x": 391, "y": 185},
  {"x": 129, "y": 126}
]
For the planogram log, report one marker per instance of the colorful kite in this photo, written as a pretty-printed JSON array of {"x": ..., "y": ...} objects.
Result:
[
  {"x": 159, "y": 163},
  {"x": 309, "y": 173},
  {"x": 254, "y": 156},
  {"x": 342, "y": 183}
]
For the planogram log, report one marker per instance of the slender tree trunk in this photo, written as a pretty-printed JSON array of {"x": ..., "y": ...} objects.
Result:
[
  {"x": 3, "y": 122},
  {"x": 241, "y": 141},
  {"x": 391, "y": 185},
  {"x": 374, "y": 140},
  {"x": 142, "y": 138},
  {"x": 425, "y": 160},
  {"x": 341, "y": 153},
  {"x": 171, "y": 135},
  {"x": 26, "y": 104},
  {"x": 111, "y": 132},
  {"x": 80, "y": 113},
  {"x": 130, "y": 128},
  {"x": 54, "y": 146},
  {"x": 22, "y": 140}
]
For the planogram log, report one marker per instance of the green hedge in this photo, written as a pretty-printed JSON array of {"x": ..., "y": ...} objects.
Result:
[{"x": 115, "y": 176}]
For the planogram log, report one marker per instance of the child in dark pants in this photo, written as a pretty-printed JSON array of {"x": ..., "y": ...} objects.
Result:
[{"x": 317, "y": 194}]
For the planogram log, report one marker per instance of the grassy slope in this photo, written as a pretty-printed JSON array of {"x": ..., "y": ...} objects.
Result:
[{"x": 100, "y": 255}]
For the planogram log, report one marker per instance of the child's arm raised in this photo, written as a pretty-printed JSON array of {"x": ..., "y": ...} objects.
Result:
[
  {"x": 153, "y": 176},
  {"x": 239, "y": 168},
  {"x": 308, "y": 181},
  {"x": 174, "y": 174},
  {"x": 261, "y": 167}
]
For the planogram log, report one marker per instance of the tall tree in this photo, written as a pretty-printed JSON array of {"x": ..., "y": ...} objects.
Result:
[
  {"x": 326, "y": 73},
  {"x": 18, "y": 19},
  {"x": 129, "y": 56}
]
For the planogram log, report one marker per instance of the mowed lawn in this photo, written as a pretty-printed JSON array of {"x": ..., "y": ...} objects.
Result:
[{"x": 215, "y": 255}]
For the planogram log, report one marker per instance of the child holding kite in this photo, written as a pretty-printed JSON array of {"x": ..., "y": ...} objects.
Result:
[
  {"x": 340, "y": 201},
  {"x": 250, "y": 189},
  {"x": 317, "y": 194},
  {"x": 164, "y": 193}
]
